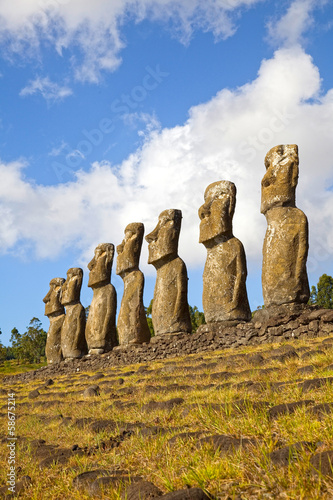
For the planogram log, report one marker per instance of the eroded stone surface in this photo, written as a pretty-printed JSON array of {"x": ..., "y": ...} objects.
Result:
[
  {"x": 226, "y": 444},
  {"x": 288, "y": 408},
  {"x": 285, "y": 250},
  {"x": 162, "y": 405},
  {"x": 55, "y": 311},
  {"x": 322, "y": 463},
  {"x": 187, "y": 494},
  {"x": 283, "y": 456},
  {"x": 101, "y": 484},
  {"x": 132, "y": 323},
  {"x": 224, "y": 295},
  {"x": 73, "y": 341},
  {"x": 141, "y": 490},
  {"x": 170, "y": 313},
  {"x": 101, "y": 324}
]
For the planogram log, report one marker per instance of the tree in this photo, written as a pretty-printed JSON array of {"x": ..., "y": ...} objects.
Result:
[
  {"x": 197, "y": 318},
  {"x": 34, "y": 341},
  {"x": 16, "y": 341},
  {"x": 3, "y": 352},
  {"x": 322, "y": 295},
  {"x": 31, "y": 345},
  {"x": 148, "y": 311}
]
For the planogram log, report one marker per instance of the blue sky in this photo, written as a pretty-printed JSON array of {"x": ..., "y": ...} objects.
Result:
[{"x": 111, "y": 112}]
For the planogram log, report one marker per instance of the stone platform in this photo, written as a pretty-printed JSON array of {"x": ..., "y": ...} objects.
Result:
[{"x": 275, "y": 324}]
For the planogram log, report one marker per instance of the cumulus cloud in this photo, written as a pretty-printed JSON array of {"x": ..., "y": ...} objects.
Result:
[
  {"x": 51, "y": 91},
  {"x": 94, "y": 28},
  {"x": 290, "y": 28},
  {"x": 224, "y": 138}
]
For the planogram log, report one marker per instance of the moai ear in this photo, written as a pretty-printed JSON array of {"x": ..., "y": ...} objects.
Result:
[
  {"x": 110, "y": 254},
  {"x": 294, "y": 177},
  {"x": 230, "y": 207}
]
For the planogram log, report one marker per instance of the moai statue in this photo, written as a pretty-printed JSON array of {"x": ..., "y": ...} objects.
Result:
[
  {"x": 101, "y": 333},
  {"x": 132, "y": 323},
  {"x": 284, "y": 276},
  {"x": 55, "y": 311},
  {"x": 73, "y": 342},
  {"x": 224, "y": 295},
  {"x": 170, "y": 312}
]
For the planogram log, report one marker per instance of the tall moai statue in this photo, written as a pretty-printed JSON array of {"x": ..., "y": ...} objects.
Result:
[
  {"x": 285, "y": 250},
  {"x": 224, "y": 295},
  {"x": 132, "y": 323},
  {"x": 170, "y": 313},
  {"x": 101, "y": 333},
  {"x": 55, "y": 311},
  {"x": 73, "y": 341}
]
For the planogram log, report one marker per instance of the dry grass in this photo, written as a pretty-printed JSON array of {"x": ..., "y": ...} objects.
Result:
[{"x": 248, "y": 471}]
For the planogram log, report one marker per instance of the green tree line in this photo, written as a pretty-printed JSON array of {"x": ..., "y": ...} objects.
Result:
[
  {"x": 322, "y": 294},
  {"x": 30, "y": 346}
]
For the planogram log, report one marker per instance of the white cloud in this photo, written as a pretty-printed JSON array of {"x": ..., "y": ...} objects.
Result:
[
  {"x": 225, "y": 138},
  {"x": 51, "y": 91},
  {"x": 58, "y": 150},
  {"x": 95, "y": 27},
  {"x": 290, "y": 29},
  {"x": 136, "y": 120}
]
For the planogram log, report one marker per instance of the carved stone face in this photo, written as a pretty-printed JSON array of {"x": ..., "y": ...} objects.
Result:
[
  {"x": 278, "y": 185},
  {"x": 52, "y": 299},
  {"x": 130, "y": 248},
  {"x": 217, "y": 212},
  {"x": 72, "y": 287},
  {"x": 100, "y": 265},
  {"x": 163, "y": 240}
]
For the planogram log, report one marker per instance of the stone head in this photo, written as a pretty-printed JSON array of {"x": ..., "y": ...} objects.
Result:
[
  {"x": 72, "y": 287},
  {"x": 130, "y": 248},
  {"x": 278, "y": 185},
  {"x": 52, "y": 299},
  {"x": 100, "y": 265},
  {"x": 163, "y": 240},
  {"x": 217, "y": 212}
]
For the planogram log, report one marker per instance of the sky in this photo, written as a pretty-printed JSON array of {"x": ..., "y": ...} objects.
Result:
[{"x": 111, "y": 112}]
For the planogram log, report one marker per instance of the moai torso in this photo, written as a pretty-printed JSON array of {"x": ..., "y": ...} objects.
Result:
[
  {"x": 284, "y": 276},
  {"x": 73, "y": 342},
  {"x": 55, "y": 311},
  {"x": 170, "y": 312},
  {"x": 224, "y": 295},
  {"x": 101, "y": 324},
  {"x": 132, "y": 323}
]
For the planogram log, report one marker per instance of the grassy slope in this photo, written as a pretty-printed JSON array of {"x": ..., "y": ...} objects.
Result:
[
  {"x": 11, "y": 367},
  {"x": 248, "y": 472}
]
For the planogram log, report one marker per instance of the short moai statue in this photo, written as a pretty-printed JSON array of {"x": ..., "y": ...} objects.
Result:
[
  {"x": 285, "y": 250},
  {"x": 224, "y": 295},
  {"x": 55, "y": 311},
  {"x": 101, "y": 333},
  {"x": 132, "y": 323},
  {"x": 73, "y": 342},
  {"x": 170, "y": 312}
]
